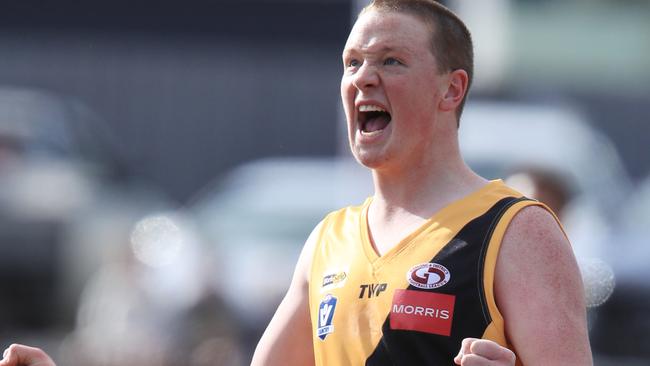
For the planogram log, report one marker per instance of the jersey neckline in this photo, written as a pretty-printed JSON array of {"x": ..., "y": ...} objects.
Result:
[{"x": 377, "y": 260}]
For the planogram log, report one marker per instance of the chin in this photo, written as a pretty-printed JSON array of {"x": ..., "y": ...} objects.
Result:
[{"x": 369, "y": 159}]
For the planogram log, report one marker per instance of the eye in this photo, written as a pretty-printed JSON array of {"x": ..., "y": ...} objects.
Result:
[
  {"x": 353, "y": 63},
  {"x": 390, "y": 61}
]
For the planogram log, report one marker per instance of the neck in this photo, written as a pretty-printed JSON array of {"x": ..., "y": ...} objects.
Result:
[{"x": 426, "y": 184}]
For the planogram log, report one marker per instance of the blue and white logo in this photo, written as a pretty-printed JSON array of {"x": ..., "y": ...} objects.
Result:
[{"x": 325, "y": 315}]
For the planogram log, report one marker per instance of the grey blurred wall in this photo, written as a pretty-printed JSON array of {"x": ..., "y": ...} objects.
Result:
[
  {"x": 191, "y": 89},
  {"x": 187, "y": 89}
]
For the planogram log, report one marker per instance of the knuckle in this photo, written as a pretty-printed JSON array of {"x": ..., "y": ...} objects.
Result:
[
  {"x": 480, "y": 346},
  {"x": 512, "y": 357},
  {"x": 471, "y": 360},
  {"x": 468, "y": 342}
]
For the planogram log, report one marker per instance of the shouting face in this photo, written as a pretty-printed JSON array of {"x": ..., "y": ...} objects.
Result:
[{"x": 390, "y": 89}]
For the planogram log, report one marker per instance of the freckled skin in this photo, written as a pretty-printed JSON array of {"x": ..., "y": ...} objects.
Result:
[{"x": 537, "y": 274}]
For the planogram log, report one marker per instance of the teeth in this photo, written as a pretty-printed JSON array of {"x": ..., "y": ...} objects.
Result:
[{"x": 371, "y": 108}]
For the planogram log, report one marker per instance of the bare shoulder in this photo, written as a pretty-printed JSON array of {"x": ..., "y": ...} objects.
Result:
[
  {"x": 303, "y": 267},
  {"x": 536, "y": 257},
  {"x": 534, "y": 230},
  {"x": 539, "y": 291}
]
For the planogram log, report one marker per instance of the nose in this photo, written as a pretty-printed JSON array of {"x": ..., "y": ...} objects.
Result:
[{"x": 366, "y": 77}]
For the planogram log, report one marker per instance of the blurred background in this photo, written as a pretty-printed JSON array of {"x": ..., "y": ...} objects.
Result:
[{"x": 161, "y": 163}]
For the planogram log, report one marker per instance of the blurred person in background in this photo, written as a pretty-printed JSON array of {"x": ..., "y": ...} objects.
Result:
[
  {"x": 440, "y": 265},
  {"x": 586, "y": 229},
  {"x": 544, "y": 185}
]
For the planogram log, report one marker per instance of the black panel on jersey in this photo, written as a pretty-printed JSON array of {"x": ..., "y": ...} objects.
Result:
[{"x": 464, "y": 257}]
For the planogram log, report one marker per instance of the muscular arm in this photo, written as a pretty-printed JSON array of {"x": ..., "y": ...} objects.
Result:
[
  {"x": 288, "y": 337},
  {"x": 540, "y": 294}
]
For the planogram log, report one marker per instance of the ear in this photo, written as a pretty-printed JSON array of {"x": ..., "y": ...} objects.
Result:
[{"x": 456, "y": 89}]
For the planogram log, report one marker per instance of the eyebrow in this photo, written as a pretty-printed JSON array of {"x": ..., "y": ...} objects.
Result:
[
  {"x": 382, "y": 50},
  {"x": 387, "y": 49}
]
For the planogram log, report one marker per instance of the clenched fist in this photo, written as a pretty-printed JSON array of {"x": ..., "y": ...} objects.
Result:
[
  {"x": 19, "y": 355},
  {"x": 480, "y": 352}
]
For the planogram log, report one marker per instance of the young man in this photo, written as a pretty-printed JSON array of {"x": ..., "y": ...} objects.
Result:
[{"x": 440, "y": 266}]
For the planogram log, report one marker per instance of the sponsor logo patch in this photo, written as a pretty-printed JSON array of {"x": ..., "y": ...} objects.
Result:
[
  {"x": 373, "y": 289},
  {"x": 325, "y": 315},
  {"x": 422, "y": 311},
  {"x": 334, "y": 279},
  {"x": 428, "y": 276}
]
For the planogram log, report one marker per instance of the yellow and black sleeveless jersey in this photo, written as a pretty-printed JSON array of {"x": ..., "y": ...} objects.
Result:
[{"x": 414, "y": 304}]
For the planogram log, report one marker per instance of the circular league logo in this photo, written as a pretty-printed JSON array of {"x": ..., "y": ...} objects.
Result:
[{"x": 428, "y": 275}]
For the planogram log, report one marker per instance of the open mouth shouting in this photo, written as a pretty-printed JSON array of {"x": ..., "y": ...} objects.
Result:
[{"x": 372, "y": 119}]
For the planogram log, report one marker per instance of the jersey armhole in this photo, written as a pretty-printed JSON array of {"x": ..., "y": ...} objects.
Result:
[
  {"x": 318, "y": 233},
  {"x": 496, "y": 329}
]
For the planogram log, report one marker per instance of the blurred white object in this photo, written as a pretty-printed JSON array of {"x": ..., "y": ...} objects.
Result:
[
  {"x": 552, "y": 137},
  {"x": 490, "y": 25},
  {"x": 598, "y": 279},
  {"x": 168, "y": 246},
  {"x": 630, "y": 250},
  {"x": 47, "y": 188},
  {"x": 156, "y": 240}
]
